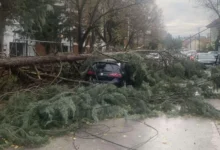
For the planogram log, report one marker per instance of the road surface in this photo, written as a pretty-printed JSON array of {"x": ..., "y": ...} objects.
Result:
[{"x": 162, "y": 133}]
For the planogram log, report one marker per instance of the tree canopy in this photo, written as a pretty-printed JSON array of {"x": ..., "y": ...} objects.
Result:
[
  {"x": 171, "y": 43},
  {"x": 26, "y": 12},
  {"x": 87, "y": 22}
]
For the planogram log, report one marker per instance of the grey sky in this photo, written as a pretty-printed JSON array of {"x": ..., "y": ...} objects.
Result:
[{"x": 183, "y": 17}]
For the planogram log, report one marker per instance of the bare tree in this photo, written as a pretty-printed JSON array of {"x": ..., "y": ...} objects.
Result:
[
  {"x": 89, "y": 15},
  {"x": 129, "y": 24},
  {"x": 212, "y": 5},
  {"x": 145, "y": 20}
]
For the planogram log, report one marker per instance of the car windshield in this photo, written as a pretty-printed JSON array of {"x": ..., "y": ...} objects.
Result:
[
  {"x": 206, "y": 56},
  {"x": 213, "y": 52}
]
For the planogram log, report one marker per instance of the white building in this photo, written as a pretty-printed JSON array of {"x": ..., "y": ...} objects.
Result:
[
  {"x": 15, "y": 45},
  {"x": 214, "y": 29},
  {"x": 214, "y": 32}
]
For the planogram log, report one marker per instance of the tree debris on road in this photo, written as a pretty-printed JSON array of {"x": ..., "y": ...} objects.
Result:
[{"x": 167, "y": 85}]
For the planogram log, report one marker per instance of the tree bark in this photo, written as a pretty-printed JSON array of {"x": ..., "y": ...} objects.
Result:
[
  {"x": 27, "y": 61},
  {"x": 129, "y": 40},
  {"x": 217, "y": 42},
  {"x": 2, "y": 29}
]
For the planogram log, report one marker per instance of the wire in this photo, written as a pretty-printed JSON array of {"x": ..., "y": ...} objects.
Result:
[
  {"x": 99, "y": 136},
  {"x": 111, "y": 142},
  {"x": 217, "y": 128},
  {"x": 75, "y": 146},
  {"x": 88, "y": 136},
  {"x": 151, "y": 138}
]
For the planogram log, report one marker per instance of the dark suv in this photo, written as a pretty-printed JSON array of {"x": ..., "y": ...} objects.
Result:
[{"x": 106, "y": 71}]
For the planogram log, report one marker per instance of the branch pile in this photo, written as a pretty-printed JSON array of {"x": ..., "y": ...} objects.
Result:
[{"x": 166, "y": 86}]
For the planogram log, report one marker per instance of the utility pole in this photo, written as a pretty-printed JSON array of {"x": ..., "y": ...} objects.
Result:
[
  {"x": 128, "y": 27},
  {"x": 190, "y": 42},
  {"x": 199, "y": 38}
]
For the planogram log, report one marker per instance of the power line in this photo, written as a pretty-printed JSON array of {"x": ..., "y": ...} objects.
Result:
[
  {"x": 195, "y": 35},
  {"x": 99, "y": 136}
]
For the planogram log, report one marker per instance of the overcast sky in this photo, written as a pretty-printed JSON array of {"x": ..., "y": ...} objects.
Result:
[{"x": 183, "y": 17}]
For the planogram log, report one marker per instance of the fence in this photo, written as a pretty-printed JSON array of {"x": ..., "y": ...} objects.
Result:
[{"x": 22, "y": 47}]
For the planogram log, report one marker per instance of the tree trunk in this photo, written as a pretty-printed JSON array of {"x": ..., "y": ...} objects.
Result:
[
  {"x": 137, "y": 39},
  {"x": 27, "y": 61},
  {"x": 129, "y": 41},
  {"x": 2, "y": 30},
  {"x": 93, "y": 39},
  {"x": 79, "y": 39},
  {"x": 217, "y": 41}
]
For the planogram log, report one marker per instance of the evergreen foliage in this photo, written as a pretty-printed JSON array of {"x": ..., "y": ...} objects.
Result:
[
  {"x": 215, "y": 76},
  {"x": 32, "y": 116}
]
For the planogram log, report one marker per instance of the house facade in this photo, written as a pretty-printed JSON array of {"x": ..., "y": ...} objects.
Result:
[
  {"x": 198, "y": 43},
  {"x": 15, "y": 45},
  {"x": 214, "y": 33}
]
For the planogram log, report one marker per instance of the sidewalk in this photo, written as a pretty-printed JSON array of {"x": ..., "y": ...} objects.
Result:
[{"x": 181, "y": 133}]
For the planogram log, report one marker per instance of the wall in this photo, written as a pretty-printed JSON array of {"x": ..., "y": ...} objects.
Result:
[
  {"x": 194, "y": 45},
  {"x": 8, "y": 37},
  {"x": 214, "y": 34}
]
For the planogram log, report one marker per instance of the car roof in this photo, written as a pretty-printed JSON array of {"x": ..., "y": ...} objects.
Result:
[
  {"x": 106, "y": 61},
  {"x": 203, "y": 54},
  {"x": 213, "y": 52}
]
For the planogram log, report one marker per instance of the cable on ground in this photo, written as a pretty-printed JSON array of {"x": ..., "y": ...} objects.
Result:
[{"x": 100, "y": 136}]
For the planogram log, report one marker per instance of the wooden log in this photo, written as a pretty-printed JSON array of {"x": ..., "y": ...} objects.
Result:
[{"x": 27, "y": 61}]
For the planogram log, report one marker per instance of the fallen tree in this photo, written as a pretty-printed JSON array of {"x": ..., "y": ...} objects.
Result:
[
  {"x": 35, "y": 60},
  {"x": 34, "y": 114},
  {"x": 26, "y": 61}
]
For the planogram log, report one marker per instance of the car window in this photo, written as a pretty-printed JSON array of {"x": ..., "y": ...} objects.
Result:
[
  {"x": 107, "y": 67},
  {"x": 206, "y": 56}
]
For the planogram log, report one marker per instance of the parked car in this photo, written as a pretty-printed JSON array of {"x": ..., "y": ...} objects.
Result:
[
  {"x": 153, "y": 56},
  {"x": 215, "y": 53},
  {"x": 190, "y": 52},
  {"x": 206, "y": 59},
  {"x": 106, "y": 71}
]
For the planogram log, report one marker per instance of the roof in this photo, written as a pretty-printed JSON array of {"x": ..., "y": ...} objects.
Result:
[{"x": 215, "y": 23}]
